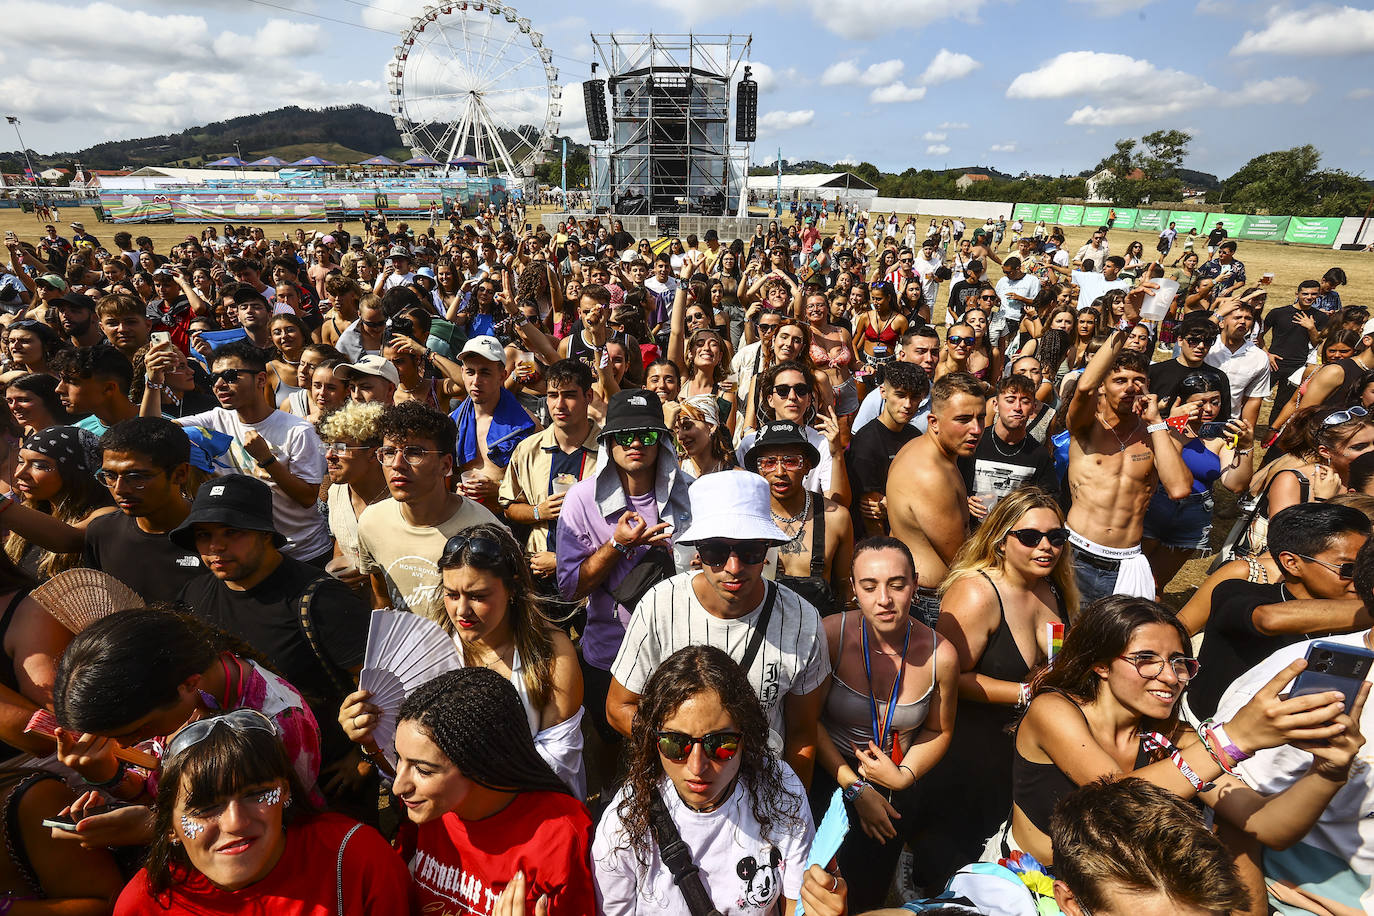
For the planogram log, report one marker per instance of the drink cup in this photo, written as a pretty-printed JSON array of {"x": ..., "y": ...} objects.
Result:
[{"x": 563, "y": 483}]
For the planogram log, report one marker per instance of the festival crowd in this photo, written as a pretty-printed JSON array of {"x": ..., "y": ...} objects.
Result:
[{"x": 677, "y": 554}]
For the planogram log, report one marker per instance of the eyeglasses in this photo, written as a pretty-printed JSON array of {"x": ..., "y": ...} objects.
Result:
[
  {"x": 229, "y": 375},
  {"x": 788, "y": 462},
  {"x": 800, "y": 389},
  {"x": 1031, "y": 537},
  {"x": 1338, "y": 417},
  {"x": 627, "y": 437},
  {"x": 1148, "y": 665},
  {"x": 413, "y": 454},
  {"x": 957, "y": 340},
  {"x": 486, "y": 551},
  {"x": 677, "y": 747},
  {"x": 718, "y": 552},
  {"x": 343, "y": 448},
  {"x": 136, "y": 480},
  {"x": 240, "y": 720},
  {"x": 1342, "y": 570}
]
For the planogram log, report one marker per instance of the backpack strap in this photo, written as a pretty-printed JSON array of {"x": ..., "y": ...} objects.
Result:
[
  {"x": 678, "y": 858},
  {"x": 338, "y": 869},
  {"x": 760, "y": 629},
  {"x": 341, "y": 684}
]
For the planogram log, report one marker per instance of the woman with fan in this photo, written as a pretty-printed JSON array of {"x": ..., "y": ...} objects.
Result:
[
  {"x": 493, "y": 613},
  {"x": 888, "y": 716}
]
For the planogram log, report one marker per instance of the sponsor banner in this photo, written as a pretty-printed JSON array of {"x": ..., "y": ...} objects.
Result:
[
  {"x": 1070, "y": 215},
  {"x": 1184, "y": 220},
  {"x": 1264, "y": 228},
  {"x": 1125, "y": 218},
  {"x": 1152, "y": 220},
  {"x": 1312, "y": 230},
  {"x": 1233, "y": 223},
  {"x": 1023, "y": 212},
  {"x": 1094, "y": 216},
  {"x": 1048, "y": 212}
]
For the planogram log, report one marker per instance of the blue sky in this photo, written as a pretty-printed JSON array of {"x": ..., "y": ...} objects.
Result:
[{"x": 1044, "y": 87}]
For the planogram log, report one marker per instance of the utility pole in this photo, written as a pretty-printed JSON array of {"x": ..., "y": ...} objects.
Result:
[{"x": 33, "y": 176}]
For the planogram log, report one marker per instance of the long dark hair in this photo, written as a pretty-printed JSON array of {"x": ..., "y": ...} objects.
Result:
[
  {"x": 221, "y": 765},
  {"x": 475, "y": 717},
  {"x": 1098, "y": 637},
  {"x": 685, "y": 674}
]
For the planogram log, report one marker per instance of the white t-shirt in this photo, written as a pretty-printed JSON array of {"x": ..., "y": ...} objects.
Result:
[
  {"x": 793, "y": 657},
  {"x": 1346, "y": 828},
  {"x": 296, "y": 445},
  {"x": 1247, "y": 369},
  {"x": 743, "y": 873},
  {"x": 1027, "y": 286},
  {"x": 930, "y": 286}
]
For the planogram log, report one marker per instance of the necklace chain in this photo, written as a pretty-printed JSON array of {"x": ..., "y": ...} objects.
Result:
[
  {"x": 801, "y": 516},
  {"x": 1112, "y": 430},
  {"x": 1016, "y": 450}
]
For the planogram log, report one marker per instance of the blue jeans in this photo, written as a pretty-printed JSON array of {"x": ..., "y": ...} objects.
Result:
[{"x": 1096, "y": 577}]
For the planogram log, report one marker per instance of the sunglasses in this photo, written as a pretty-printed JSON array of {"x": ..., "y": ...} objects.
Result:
[
  {"x": 229, "y": 375},
  {"x": 788, "y": 462},
  {"x": 1031, "y": 537},
  {"x": 677, "y": 747},
  {"x": 1344, "y": 571},
  {"x": 1344, "y": 416},
  {"x": 483, "y": 552},
  {"x": 1195, "y": 339},
  {"x": 800, "y": 389},
  {"x": 627, "y": 437},
  {"x": 956, "y": 340},
  {"x": 718, "y": 552},
  {"x": 240, "y": 720}
]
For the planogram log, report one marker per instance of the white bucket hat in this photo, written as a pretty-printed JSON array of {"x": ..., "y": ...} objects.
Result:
[{"x": 733, "y": 505}]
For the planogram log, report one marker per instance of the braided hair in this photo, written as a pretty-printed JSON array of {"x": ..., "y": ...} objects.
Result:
[
  {"x": 475, "y": 717},
  {"x": 686, "y": 674}
]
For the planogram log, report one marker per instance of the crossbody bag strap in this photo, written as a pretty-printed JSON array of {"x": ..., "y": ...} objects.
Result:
[
  {"x": 338, "y": 868},
  {"x": 331, "y": 670},
  {"x": 678, "y": 858},
  {"x": 818, "y": 537},
  {"x": 760, "y": 629}
]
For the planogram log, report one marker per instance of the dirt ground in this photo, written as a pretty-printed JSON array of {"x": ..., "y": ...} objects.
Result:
[{"x": 1291, "y": 264}]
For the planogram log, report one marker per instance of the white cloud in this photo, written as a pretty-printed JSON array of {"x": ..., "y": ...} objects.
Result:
[
  {"x": 948, "y": 65},
  {"x": 897, "y": 92},
  {"x": 573, "y": 123},
  {"x": 1322, "y": 31},
  {"x": 848, "y": 160},
  {"x": 937, "y": 149},
  {"x": 276, "y": 38},
  {"x": 1009, "y": 147},
  {"x": 1356, "y": 94},
  {"x": 847, "y": 73},
  {"x": 1106, "y": 8},
  {"x": 775, "y": 121},
  {"x": 1130, "y": 91},
  {"x": 858, "y": 19},
  {"x": 934, "y": 136},
  {"x": 954, "y": 125},
  {"x": 769, "y": 78}
]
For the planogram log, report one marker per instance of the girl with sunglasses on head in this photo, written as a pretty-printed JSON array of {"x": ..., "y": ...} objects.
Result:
[
  {"x": 235, "y": 833},
  {"x": 887, "y": 719},
  {"x": 492, "y": 611},
  {"x": 1109, "y": 707},
  {"x": 1008, "y": 582},
  {"x": 143, "y": 675},
  {"x": 699, "y": 760},
  {"x": 489, "y": 821},
  {"x": 1316, "y": 449}
]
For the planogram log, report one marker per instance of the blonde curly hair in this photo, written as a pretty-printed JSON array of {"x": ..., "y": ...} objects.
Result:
[{"x": 355, "y": 421}]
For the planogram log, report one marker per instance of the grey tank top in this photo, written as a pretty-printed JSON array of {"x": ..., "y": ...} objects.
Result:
[{"x": 848, "y": 717}]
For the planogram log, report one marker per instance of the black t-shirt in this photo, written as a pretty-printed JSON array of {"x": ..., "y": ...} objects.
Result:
[
  {"x": 959, "y": 296},
  {"x": 871, "y": 453},
  {"x": 1165, "y": 378},
  {"x": 998, "y": 468},
  {"x": 1290, "y": 342},
  {"x": 267, "y": 617},
  {"x": 622, "y": 240},
  {"x": 1216, "y": 236},
  {"x": 150, "y": 564},
  {"x": 1232, "y": 645}
]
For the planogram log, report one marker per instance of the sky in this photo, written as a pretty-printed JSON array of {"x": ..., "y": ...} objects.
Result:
[{"x": 1040, "y": 87}]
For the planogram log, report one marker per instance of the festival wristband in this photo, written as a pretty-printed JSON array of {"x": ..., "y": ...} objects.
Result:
[
  {"x": 855, "y": 789},
  {"x": 1154, "y": 741},
  {"x": 1227, "y": 746},
  {"x": 1025, "y": 695},
  {"x": 1156, "y": 427},
  {"x": 110, "y": 783}
]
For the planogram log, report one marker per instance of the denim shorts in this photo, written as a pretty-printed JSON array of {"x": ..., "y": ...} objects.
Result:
[{"x": 1182, "y": 524}]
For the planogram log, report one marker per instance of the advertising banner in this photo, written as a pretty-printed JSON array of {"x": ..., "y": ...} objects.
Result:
[
  {"x": 1023, "y": 212},
  {"x": 1048, "y": 212},
  {"x": 1094, "y": 216},
  {"x": 1070, "y": 215},
  {"x": 1312, "y": 230},
  {"x": 1233, "y": 223},
  {"x": 1184, "y": 220},
  {"x": 1152, "y": 220},
  {"x": 1264, "y": 228},
  {"x": 1125, "y": 218}
]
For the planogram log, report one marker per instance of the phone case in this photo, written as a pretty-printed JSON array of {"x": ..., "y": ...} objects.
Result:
[{"x": 1332, "y": 666}]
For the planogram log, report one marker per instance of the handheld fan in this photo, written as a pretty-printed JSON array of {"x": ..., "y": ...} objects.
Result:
[
  {"x": 404, "y": 650},
  {"x": 78, "y": 598}
]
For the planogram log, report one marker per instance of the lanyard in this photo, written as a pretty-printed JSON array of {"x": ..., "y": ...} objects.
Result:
[{"x": 896, "y": 685}]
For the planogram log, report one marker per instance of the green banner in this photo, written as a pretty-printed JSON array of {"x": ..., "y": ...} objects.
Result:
[
  {"x": 1310, "y": 230},
  {"x": 1023, "y": 212},
  {"x": 1094, "y": 216},
  {"x": 1233, "y": 223},
  {"x": 1184, "y": 220},
  {"x": 1264, "y": 228},
  {"x": 1152, "y": 220},
  {"x": 1125, "y": 218},
  {"x": 1070, "y": 215},
  {"x": 1048, "y": 212}
]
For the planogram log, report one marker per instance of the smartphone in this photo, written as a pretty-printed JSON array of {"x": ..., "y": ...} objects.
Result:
[
  {"x": 1212, "y": 429},
  {"x": 60, "y": 822},
  {"x": 159, "y": 337},
  {"x": 1333, "y": 666}
]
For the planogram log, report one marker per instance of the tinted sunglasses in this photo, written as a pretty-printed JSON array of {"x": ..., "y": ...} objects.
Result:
[
  {"x": 717, "y": 552},
  {"x": 627, "y": 437},
  {"x": 240, "y": 720},
  {"x": 677, "y": 747},
  {"x": 483, "y": 552},
  {"x": 1031, "y": 537},
  {"x": 1344, "y": 571},
  {"x": 229, "y": 375},
  {"x": 956, "y": 340},
  {"x": 800, "y": 389},
  {"x": 1335, "y": 418}
]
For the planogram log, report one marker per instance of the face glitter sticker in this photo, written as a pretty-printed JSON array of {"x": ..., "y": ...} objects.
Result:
[
  {"x": 270, "y": 797},
  {"x": 191, "y": 827}
]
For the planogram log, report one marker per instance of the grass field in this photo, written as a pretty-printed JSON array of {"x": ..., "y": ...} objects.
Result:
[{"x": 1291, "y": 265}]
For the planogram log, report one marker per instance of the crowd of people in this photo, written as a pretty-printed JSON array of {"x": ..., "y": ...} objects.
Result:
[{"x": 724, "y": 535}]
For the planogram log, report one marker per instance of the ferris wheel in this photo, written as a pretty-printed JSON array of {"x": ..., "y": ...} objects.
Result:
[{"x": 475, "y": 80}]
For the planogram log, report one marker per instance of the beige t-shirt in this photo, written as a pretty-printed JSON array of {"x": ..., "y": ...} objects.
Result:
[{"x": 408, "y": 557}]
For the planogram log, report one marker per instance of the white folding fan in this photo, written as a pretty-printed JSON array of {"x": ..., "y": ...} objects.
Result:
[
  {"x": 79, "y": 597},
  {"x": 404, "y": 650}
]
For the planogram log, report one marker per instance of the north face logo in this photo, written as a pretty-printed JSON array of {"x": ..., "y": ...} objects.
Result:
[
  {"x": 637, "y": 401},
  {"x": 217, "y": 491}
]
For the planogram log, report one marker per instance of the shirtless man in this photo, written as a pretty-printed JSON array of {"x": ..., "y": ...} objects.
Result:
[
  {"x": 927, "y": 503},
  {"x": 1120, "y": 448},
  {"x": 497, "y": 420},
  {"x": 783, "y": 456}
]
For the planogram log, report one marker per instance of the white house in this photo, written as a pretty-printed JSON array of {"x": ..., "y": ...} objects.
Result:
[
  {"x": 1096, "y": 182},
  {"x": 53, "y": 174}
]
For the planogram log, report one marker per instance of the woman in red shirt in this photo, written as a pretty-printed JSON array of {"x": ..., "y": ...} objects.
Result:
[
  {"x": 235, "y": 833},
  {"x": 484, "y": 805}
]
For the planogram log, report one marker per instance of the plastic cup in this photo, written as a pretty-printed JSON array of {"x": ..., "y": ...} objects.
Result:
[{"x": 563, "y": 483}]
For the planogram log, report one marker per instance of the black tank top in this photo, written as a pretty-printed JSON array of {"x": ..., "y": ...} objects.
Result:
[{"x": 1001, "y": 658}]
